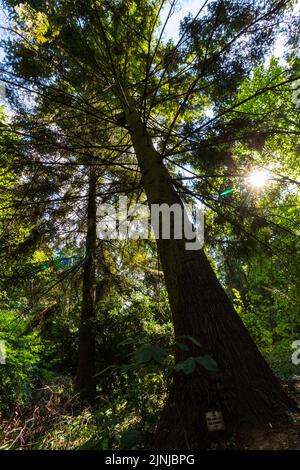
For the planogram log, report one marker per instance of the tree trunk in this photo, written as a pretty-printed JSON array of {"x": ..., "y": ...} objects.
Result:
[
  {"x": 85, "y": 383},
  {"x": 245, "y": 390}
]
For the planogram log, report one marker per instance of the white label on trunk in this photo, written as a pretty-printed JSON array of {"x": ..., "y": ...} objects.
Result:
[{"x": 214, "y": 420}]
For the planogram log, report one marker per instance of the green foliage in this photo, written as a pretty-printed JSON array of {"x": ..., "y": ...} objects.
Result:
[
  {"x": 147, "y": 353},
  {"x": 22, "y": 371},
  {"x": 280, "y": 359},
  {"x": 189, "y": 365}
]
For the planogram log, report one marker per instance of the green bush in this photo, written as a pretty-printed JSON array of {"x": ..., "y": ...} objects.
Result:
[
  {"x": 21, "y": 370},
  {"x": 280, "y": 359}
]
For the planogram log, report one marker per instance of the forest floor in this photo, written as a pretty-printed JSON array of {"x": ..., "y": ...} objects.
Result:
[
  {"x": 285, "y": 436},
  {"x": 56, "y": 421}
]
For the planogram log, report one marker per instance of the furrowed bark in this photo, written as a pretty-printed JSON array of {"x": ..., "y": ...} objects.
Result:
[{"x": 245, "y": 389}]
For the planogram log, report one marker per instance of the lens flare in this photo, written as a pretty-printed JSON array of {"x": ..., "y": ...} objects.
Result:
[{"x": 258, "y": 178}]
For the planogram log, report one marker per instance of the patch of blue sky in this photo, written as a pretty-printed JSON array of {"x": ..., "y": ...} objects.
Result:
[
  {"x": 3, "y": 31},
  {"x": 181, "y": 10},
  {"x": 185, "y": 7}
]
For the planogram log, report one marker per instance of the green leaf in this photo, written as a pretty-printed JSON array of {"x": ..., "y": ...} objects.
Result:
[
  {"x": 182, "y": 346},
  {"x": 193, "y": 340},
  {"x": 158, "y": 354},
  {"x": 149, "y": 352},
  {"x": 207, "y": 362},
  {"x": 188, "y": 366},
  {"x": 142, "y": 355}
]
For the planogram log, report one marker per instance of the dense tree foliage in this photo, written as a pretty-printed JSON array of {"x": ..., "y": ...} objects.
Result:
[{"x": 100, "y": 105}]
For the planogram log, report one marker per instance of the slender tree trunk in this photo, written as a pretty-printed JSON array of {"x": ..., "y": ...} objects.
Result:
[
  {"x": 245, "y": 390},
  {"x": 85, "y": 383}
]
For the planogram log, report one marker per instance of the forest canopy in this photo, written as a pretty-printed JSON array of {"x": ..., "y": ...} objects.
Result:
[{"x": 130, "y": 342}]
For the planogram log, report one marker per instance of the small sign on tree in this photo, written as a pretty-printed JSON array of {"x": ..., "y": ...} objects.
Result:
[{"x": 214, "y": 421}]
